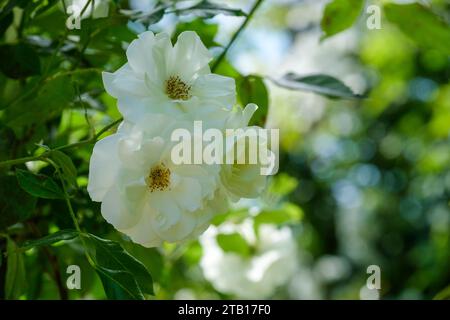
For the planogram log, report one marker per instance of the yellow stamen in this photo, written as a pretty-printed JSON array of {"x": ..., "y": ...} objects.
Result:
[
  {"x": 158, "y": 178},
  {"x": 176, "y": 89}
]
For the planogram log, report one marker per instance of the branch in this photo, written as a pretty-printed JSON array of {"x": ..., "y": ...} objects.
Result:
[
  {"x": 45, "y": 154},
  {"x": 238, "y": 32}
]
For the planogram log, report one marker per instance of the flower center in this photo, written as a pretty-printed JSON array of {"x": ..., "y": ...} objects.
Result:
[
  {"x": 158, "y": 178},
  {"x": 176, "y": 89}
]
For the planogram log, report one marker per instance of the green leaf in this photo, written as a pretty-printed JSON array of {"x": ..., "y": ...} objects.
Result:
[
  {"x": 23, "y": 61},
  {"x": 39, "y": 185},
  {"x": 15, "y": 204},
  {"x": 119, "y": 285},
  {"x": 288, "y": 213},
  {"x": 421, "y": 25},
  {"x": 119, "y": 270},
  {"x": 55, "y": 94},
  {"x": 226, "y": 69},
  {"x": 207, "y": 9},
  {"x": 62, "y": 235},
  {"x": 7, "y": 8},
  {"x": 93, "y": 29},
  {"x": 6, "y": 22},
  {"x": 321, "y": 84},
  {"x": 283, "y": 184},
  {"x": 340, "y": 15},
  {"x": 443, "y": 294},
  {"x": 235, "y": 243},
  {"x": 66, "y": 165},
  {"x": 151, "y": 258},
  {"x": 39, "y": 7},
  {"x": 15, "y": 272},
  {"x": 206, "y": 31},
  {"x": 251, "y": 89}
]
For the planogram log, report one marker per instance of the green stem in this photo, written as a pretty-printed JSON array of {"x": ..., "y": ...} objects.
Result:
[
  {"x": 72, "y": 72},
  {"x": 73, "y": 216},
  {"x": 85, "y": 8},
  {"x": 69, "y": 204},
  {"x": 63, "y": 2},
  {"x": 20, "y": 160},
  {"x": 236, "y": 34},
  {"x": 109, "y": 126},
  {"x": 64, "y": 147}
]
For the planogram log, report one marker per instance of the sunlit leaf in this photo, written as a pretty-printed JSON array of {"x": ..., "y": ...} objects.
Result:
[
  {"x": 235, "y": 243},
  {"x": 283, "y": 184},
  {"x": 340, "y": 15},
  {"x": 288, "y": 213},
  {"x": 420, "y": 24}
]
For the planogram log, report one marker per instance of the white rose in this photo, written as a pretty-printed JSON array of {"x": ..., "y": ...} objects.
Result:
[
  {"x": 243, "y": 179},
  {"x": 143, "y": 193},
  {"x": 175, "y": 80},
  {"x": 272, "y": 264}
]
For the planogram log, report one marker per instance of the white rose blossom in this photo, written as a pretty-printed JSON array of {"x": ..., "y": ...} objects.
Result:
[
  {"x": 171, "y": 79},
  {"x": 272, "y": 264},
  {"x": 243, "y": 180},
  {"x": 144, "y": 194}
]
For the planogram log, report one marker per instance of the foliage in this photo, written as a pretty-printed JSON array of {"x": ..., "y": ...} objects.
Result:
[{"x": 380, "y": 196}]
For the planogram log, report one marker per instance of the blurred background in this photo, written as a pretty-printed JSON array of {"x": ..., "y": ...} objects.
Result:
[{"x": 361, "y": 182}]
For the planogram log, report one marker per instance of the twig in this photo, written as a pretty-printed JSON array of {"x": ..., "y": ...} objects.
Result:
[
  {"x": 237, "y": 33},
  {"x": 45, "y": 154}
]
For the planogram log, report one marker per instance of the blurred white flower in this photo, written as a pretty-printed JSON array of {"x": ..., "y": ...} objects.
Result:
[
  {"x": 305, "y": 285},
  {"x": 369, "y": 294},
  {"x": 271, "y": 264},
  {"x": 332, "y": 268},
  {"x": 167, "y": 79},
  {"x": 144, "y": 6},
  {"x": 144, "y": 194}
]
